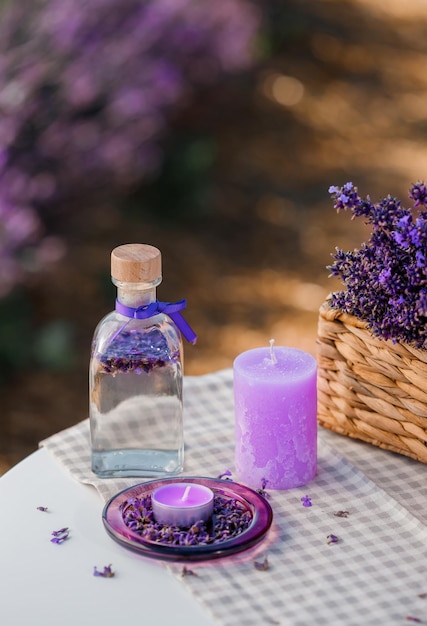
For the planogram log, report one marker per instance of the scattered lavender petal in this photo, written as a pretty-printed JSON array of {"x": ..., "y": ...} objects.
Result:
[
  {"x": 262, "y": 565},
  {"x": 306, "y": 501},
  {"x": 262, "y": 491},
  {"x": 188, "y": 572},
  {"x": 61, "y": 539},
  {"x": 59, "y": 536},
  {"x": 107, "y": 572},
  {"x": 61, "y": 531},
  {"x": 225, "y": 474},
  {"x": 332, "y": 539}
]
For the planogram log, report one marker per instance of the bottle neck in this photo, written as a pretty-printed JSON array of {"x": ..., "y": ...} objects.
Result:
[{"x": 136, "y": 294}]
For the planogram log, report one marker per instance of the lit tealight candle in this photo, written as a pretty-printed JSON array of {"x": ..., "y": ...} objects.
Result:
[
  {"x": 276, "y": 416},
  {"x": 182, "y": 504}
]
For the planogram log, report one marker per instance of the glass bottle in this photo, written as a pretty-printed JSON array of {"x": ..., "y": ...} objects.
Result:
[{"x": 135, "y": 379}]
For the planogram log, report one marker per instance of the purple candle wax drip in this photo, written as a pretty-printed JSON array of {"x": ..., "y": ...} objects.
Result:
[
  {"x": 230, "y": 519},
  {"x": 134, "y": 351}
]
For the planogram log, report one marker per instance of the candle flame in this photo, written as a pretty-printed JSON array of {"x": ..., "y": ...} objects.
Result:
[
  {"x": 186, "y": 493},
  {"x": 272, "y": 355}
]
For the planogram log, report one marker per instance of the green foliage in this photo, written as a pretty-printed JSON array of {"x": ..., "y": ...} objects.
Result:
[
  {"x": 22, "y": 346},
  {"x": 15, "y": 333},
  {"x": 53, "y": 345}
]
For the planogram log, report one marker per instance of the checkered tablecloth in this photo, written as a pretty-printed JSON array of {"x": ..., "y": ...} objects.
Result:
[{"x": 376, "y": 574}]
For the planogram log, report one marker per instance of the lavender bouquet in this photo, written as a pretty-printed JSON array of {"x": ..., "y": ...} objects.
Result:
[{"x": 386, "y": 279}]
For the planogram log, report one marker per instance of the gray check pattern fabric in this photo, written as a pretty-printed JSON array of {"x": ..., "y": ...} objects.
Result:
[{"x": 375, "y": 574}]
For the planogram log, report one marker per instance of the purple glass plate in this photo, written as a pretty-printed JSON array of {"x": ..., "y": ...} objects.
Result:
[{"x": 257, "y": 505}]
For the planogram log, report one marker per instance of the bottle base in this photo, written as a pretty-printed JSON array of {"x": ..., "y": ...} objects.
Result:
[{"x": 144, "y": 463}]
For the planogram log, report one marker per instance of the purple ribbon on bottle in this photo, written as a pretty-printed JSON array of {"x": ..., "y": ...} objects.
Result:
[{"x": 172, "y": 309}]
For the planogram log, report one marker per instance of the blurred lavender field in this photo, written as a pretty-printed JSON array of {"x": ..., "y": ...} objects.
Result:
[
  {"x": 88, "y": 92},
  {"x": 211, "y": 130}
]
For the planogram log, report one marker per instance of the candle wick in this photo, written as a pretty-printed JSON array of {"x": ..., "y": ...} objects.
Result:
[
  {"x": 186, "y": 493},
  {"x": 272, "y": 355}
]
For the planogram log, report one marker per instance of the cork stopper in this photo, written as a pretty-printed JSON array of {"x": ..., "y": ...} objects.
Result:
[{"x": 136, "y": 263}]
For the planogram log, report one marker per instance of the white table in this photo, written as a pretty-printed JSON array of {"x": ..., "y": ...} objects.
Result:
[
  {"x": 377, "y": 574},
  {"x": 49, "y": 584}
]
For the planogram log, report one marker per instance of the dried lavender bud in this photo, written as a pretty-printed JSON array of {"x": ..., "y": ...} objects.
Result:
[
  {"x": 59, "y": 540},
  {"x": 62, "y": 531},
  {"x": 262, "y": 491},
  {"x": 42, "y": 508},
  {"x": 230, "y": 519},
  {"x": 187, "y": 572},
  {"x": 59, "y": 536},
  {"x": 262, "y": 565},
  {"x": 306, "y": 501},
  {"x": 225, "y": 474},
  {"x": 341, "y": 514},
  {"x": 136, "y": 351},
  {"x": 332, "y": 539},
  {"x": 107, "y": 572}
]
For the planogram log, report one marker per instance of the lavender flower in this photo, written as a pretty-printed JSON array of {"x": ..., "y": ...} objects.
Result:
[
  {"x": 332, "y": 539},
  {"x": 418, "y": 193},
  {"x": 42, "y": 508},
  {"x": 306, "y": 501},
  {"x": 87, "y": 94},
  {"x": 386, "y": 279}
]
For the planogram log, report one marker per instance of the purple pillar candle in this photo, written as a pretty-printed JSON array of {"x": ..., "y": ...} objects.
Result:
[{"x": 275, "y": 401}]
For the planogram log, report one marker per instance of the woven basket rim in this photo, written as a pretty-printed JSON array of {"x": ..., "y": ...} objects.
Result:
[
  {"x": 331, "y": 314},
  {"x": 327, "y": 312}
]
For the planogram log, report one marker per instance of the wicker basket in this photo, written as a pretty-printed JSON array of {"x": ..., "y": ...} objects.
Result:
[{"x": 371, "y": 389}]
